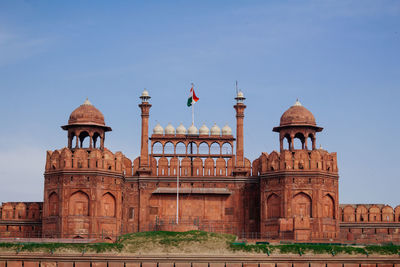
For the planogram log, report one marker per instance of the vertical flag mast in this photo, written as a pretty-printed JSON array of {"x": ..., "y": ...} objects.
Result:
[{"x": 177, "y": 193}]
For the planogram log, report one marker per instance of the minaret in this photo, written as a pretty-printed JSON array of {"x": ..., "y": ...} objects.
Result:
[
  {"x": 144, "y": 165},
  {"x": 239, "y": 107}
]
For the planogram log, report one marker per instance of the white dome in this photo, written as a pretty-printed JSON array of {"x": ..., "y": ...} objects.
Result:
[
  {"x": 193, "y": 130},
  {"x": 240, "y": 94},
  {"x": 181, "y": 129},
  {"x": 215, "y": 130},
  {"x": 204, "y": 130},
  {"x": 158, "y": 129},
  {"x": 169, "y": 129},
  {"x": 226, "y": 130},
  {"x": 145, "y": 93}
]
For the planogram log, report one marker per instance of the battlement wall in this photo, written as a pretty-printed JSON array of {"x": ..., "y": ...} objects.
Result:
[
  {"x": 80, "y": 158},
  {"x": 195, "y": 167},
  {"x": 21, "y": 211},
  {"x": 315, "y": 160},
  {"x": 369, "y": 213}
]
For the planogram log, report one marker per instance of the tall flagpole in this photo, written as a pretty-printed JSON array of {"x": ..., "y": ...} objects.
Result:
[{"x": 177, "y": 194}]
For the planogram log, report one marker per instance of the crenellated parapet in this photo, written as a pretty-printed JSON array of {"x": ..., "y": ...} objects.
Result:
[
  {"x": 84, "y": 159},
  {"x": 194, "y": 167},
  {"x": 314, "y": 160},
  {"x": 10, "y": 211},
  {"x": 363, "y": 213}
]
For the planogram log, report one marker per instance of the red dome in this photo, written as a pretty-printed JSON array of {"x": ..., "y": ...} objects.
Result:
[
  {"x": 297, "y": 115},
  {"x": 86, "y": 114}
]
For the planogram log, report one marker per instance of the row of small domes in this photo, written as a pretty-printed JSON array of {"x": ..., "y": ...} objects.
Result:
[{"x": 192, "y": 130}]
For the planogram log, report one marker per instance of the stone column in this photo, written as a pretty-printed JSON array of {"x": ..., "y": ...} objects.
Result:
[
  {"x": 239, "y": 107},
  {"x": 90, "y": 140},
  {"x": 144, "y": 146},
  {"x": 77, "y": 142}
]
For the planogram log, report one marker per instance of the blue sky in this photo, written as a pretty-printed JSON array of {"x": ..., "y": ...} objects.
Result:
[{"x": 340, "y": 58}]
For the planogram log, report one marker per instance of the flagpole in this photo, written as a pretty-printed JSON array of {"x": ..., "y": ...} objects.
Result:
[{"x": 177, "y": 194}]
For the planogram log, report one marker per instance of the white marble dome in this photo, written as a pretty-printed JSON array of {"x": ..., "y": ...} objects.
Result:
[
  {"x": 193, "y": 130},
  {"x": 145, "y": 93},
  {"x": 215, "y": 130},
  {"x": 181, "y": 129},
  {"x": 204, "y": 130},
  {"x": 226, "y": 130},
  {"x": 169, "y": 129},
  {"x": 158, "y": 129}
]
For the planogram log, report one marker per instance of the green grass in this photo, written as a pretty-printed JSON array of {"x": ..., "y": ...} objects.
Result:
[
  {"x": 317, "y": 249},
  {"x": 54, "y": 247},
  {"x": 197, "y": 242},
  {"x": 175, "y": 242}
]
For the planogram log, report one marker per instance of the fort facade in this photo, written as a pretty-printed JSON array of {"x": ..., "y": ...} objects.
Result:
[{"x": 290, "y": 194}]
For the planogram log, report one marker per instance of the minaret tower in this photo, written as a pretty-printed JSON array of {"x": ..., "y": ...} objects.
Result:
[
  {"x": 144, "y": 164},
  {"x": 239, "y": 169}
]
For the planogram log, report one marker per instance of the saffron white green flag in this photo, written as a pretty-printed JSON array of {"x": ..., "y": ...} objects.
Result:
[{"x": 192, "y": 98}]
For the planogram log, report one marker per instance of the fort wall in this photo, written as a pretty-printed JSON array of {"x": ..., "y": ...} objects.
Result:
[{"x": 21, "y": 219}]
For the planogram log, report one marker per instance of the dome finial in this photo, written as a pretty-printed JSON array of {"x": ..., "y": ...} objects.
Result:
[
  {"x": 297, "y": 104},
  {"x": 87, "y": 102}
]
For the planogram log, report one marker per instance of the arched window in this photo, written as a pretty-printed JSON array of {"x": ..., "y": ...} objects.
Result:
[
  {"x": 157, "y": 148},
  {"x": 203, "y": 148},
  {"x": 84, "y": 142},
  {"x": 226, "y": 148},
  {"x": 298, "y": 141},
  {"x": 180, "y": 148},
  {"x": 215, "y": 149},
  {"x": 169, "y": 148}
]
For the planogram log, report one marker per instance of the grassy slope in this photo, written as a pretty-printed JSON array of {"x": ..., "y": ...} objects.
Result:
[{"x": 193, "y": 242}]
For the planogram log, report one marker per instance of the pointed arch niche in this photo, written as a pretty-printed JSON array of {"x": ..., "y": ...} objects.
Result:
[
  {"x": 53, "y": 204},
  {"x": 108, "y": 205},
  {"x": 301, "y": 204},
  {"x": 79, "y": 204},
  {"x": 328, "y": 210},
  {"x": 273, "y": 206}
]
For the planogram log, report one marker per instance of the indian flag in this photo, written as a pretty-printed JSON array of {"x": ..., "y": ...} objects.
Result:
[{"x": 192, "y": 98}]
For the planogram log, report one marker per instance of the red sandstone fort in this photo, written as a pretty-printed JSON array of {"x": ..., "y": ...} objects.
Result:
[{"x": 291, "y": 194}]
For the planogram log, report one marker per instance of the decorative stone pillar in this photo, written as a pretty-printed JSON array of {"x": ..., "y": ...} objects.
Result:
[
  {"x": 239, "y": 161},
  {"x": 144, "y": 162}
]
